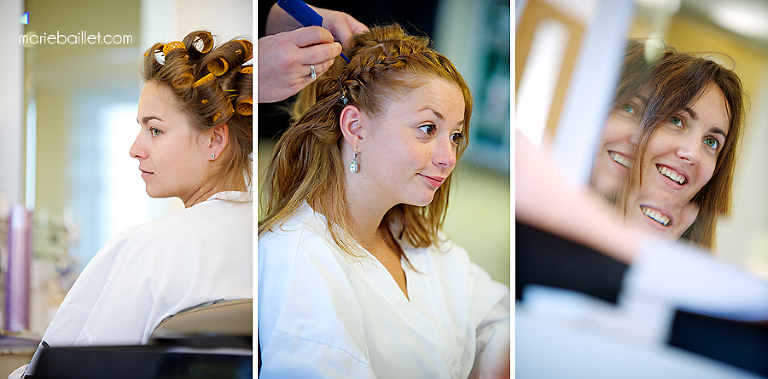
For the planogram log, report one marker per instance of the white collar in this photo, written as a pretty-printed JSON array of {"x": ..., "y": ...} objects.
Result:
[{"x": 244, "y": 196}]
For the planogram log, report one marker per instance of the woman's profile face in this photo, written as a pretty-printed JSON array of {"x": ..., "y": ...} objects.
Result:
[
  {"x": 172, "y": 156},
  {"x": 680, "y": 159},
  {"x": 614, "y": 155},
  {"x": 411, "y": 146}
]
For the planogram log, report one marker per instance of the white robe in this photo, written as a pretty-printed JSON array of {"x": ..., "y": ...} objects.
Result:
[
  {"x": 324, "y": 314},
  {"x": 154, "y": 270}
]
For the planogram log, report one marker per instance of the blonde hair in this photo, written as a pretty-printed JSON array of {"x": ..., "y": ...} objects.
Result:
[
  {"x": 212, "y": 87},
  {"x": 306, "y": 164}
]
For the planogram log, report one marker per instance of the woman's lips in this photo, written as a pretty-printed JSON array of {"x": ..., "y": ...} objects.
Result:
[
  {"x": 434, "y": 181},
  {"x": 145, "y": 174}
]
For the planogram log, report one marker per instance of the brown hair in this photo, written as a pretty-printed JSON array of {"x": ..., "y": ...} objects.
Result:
[
  {"x": 636, "y": 69},
  {"x": 306, "y": 164},
  {"x": 212, "y": 87},
  {"x": 678, "y": 81}
]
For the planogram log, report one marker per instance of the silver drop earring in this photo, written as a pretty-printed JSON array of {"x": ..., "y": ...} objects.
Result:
[{"x": 354, "y": 167}]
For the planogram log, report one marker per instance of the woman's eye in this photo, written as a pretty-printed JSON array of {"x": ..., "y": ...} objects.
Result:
[
  {"x": 428, "y": 129},
  {"x": 629, "y": 108},
  {"x": 712, "y": 142},
  {"x": 154, "y": 131},
  {"x": 457, "y": 137},
  {"x": 677, "y": 121}
]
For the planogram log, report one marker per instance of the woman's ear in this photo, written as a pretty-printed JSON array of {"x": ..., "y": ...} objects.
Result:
[
  {"x": 219, "y": 136},
  {"x": 351, "y": 125}
]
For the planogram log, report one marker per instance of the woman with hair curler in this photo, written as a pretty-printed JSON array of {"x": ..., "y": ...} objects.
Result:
[{"x": 195, "y": 143}]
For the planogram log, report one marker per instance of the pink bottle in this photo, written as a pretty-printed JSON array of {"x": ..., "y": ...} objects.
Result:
[{"x": 16, "y": 312}]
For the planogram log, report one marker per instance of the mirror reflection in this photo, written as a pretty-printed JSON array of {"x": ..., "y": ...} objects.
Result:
[
  {"x": 680, "y": 56},
  {"x": 680, "y": 150},
  {"x": 670, "y": 141}
]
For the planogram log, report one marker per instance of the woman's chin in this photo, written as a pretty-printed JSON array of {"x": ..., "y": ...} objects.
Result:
[
  {"x": 423, "y": 201},
  {"x": 155, "y": 194}
]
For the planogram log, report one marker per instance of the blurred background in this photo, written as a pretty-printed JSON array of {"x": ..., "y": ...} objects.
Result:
[
  {"x": 737, "y": 28},
  {"x": 475, "y": 36},
  {"x": 69, "y": 117}
]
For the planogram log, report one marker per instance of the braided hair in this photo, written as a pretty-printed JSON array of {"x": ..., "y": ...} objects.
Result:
[
  {"x": 212, "y": 87},
  {"x": 306, "y": 164}
]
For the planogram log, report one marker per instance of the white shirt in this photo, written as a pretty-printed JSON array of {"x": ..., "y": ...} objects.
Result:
[
  {"x": 325, "y": 314},
  {"x": 684, "y": 277},
  {"x": 154, "y": 270}
]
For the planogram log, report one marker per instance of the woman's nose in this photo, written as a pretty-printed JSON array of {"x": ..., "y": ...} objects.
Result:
[
  {"x": 136, "y": 150},
  {"x": 445, "y": 154},
  {"x": 689, "y": 151}
]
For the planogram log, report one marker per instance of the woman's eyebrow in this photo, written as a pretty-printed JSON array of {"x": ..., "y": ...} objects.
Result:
[
  {"x": 147, "y": 119},
  {"x": 437, "y": 114},
  {"x": 693, "y": 114},
  {"x": 640, "y": 98},
  {"x": 717, "y": 130}
]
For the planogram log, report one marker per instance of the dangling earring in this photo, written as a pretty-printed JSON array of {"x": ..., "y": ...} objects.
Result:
[{"x": 354, "y": 167}]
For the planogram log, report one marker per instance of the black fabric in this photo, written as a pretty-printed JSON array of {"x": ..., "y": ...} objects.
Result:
[
  {"x": 86, "y": 362},
  {"x": 545, "y": 259},
  {"x": 741, "y": 344}
]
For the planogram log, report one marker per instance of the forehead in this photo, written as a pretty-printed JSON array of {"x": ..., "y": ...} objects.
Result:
[
  {"x": 434, "y": 96},
  {"x": 155, "y": 97},
  {"x": 712, "y": 108}
]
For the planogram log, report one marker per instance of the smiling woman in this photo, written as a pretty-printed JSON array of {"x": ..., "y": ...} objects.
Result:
[
  {"x": 682, "y": 172},
  {"x": 354, "y": 270},
  {"x": 614, "y": 156},
  {"x": 668, "y": 148}
]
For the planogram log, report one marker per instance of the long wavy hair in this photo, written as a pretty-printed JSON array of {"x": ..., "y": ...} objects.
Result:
[
  {"x": 678, "y": 81},
  {"x": 212, "y": 86},
  {"x": 306, "y": 163}
]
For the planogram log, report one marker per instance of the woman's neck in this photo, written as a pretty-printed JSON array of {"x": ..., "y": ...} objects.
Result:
[
  {"x": 366, "y": 214},
  {"x": 200, "y": 195}
]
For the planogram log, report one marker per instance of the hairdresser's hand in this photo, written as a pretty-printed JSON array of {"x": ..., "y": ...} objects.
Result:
[
  {"x": 285, "y": 59},
  {"x": 341, "y": 25}
]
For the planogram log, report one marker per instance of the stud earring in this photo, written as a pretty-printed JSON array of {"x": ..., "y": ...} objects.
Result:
[
  {"x": 354, "y": 166},
  {"x": 213, "y": 155}
]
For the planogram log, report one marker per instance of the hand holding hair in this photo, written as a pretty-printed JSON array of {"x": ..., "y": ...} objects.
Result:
[{"x": 287, "y": 60}]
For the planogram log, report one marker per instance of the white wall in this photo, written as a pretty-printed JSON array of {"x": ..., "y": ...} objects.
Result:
[
  {"x": 167, "y": 20},
  {"x": 11, "y": 100},
  {"x": 743, "y": 238}
]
